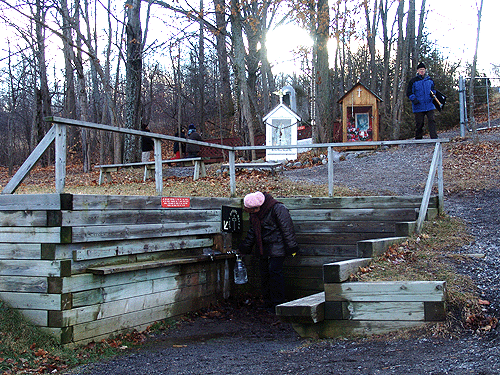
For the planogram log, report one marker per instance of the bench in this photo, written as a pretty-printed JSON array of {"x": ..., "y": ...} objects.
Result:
[
  {"x": 149, "y": 167},
  {"x": 271, "y": 166}
]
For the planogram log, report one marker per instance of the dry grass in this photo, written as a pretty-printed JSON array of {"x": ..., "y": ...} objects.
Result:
[
  {"x": 130, "y": 182},
  {"x": 432, "y": 256}
]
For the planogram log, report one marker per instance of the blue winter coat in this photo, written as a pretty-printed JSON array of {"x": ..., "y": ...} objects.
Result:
[{"x": 419, "y": 92}]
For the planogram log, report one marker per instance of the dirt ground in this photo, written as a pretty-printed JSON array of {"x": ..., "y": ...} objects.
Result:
[{"x": 240, "y": 337}]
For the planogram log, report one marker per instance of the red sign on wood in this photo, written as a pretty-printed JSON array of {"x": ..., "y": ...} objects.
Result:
[{"x": 175, "y": 202}]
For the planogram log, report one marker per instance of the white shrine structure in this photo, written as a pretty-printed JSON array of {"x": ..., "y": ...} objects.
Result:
[{"x": 281, "y": 129}]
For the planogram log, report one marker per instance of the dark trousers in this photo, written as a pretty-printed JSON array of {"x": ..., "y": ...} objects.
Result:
[
  {"x": 419, "y": 120},
  {"x": 272, "y": 280}
]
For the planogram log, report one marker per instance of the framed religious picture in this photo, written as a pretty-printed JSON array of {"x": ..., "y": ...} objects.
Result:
[
  {"x": 282, "y": 132},
  {"x": 362, "y": 122}
]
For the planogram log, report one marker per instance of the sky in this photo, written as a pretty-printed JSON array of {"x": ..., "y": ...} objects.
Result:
[{"x": 452, "y": 25}]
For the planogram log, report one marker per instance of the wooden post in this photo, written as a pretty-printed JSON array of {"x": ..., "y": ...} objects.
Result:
[
  {"x": 60, "y": 146},
  {"x": 232, "y": 173},
  {"x": 158, "y": 167},
  {"x": 30, "y": 162},
  {"x": 330, "y": 171}
]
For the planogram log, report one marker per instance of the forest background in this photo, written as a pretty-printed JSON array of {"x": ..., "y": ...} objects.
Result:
[{"x": 168, "y": 64}]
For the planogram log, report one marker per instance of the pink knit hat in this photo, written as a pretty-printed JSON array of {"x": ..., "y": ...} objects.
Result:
[{"x": 253, "y": 200}]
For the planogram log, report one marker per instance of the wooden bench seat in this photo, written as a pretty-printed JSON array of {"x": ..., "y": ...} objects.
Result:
[
  {"x": 149, "y": 167},
  {"x": 271, "y": 166}
]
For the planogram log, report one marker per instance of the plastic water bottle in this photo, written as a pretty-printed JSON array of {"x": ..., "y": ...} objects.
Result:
[{"x": 240, "y": 271}]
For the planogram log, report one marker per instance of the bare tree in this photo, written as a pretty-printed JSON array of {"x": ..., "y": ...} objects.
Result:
[
  {"x": 371, "y": 32},
  {"x": 42, "y": 94},
  {"x": 69, "y": 94},
  {"x": 201, "y": 71},
  {"x": 400, "y": 71},
  {"x": 387, "y": 40},
  {"x": 324, "y": 121},
  {"x": 12, "y": 106},
  {"x": 419, "y": 35},
  {"x": 226, "y": 98},
  {"x": 243, "y": 92},
  {"x": 134, "y": 79},
  {"x": 473, "y": 76}
]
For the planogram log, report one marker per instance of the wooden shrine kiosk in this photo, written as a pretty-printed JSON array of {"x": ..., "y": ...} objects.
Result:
[{"x": 360, "y": 116}]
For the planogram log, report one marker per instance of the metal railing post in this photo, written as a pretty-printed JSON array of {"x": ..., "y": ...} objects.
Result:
[
  {"x": 461, "y": 96},
  {"x": 232, "y": 173},
  {"x": 428, "y": 189},
  {"x": 158, "y": 167},
  {"x": 440, "y": 180},
  {"x": 330, "y": 171}
]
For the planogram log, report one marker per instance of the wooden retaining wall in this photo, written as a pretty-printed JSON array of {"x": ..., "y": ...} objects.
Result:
[
  {"x": 339, "y": 228},
  {"x": 85, "y": 267}
]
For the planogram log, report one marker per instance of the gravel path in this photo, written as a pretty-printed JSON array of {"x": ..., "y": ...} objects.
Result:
[{"x": 248, "y": 340}]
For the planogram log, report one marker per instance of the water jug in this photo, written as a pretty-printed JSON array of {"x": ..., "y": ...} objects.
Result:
[{"x": 240, "y": 271}]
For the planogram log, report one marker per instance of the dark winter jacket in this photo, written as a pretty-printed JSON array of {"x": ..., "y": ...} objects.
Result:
[
  {"x": 147, "y": 143},
  {"x": 419, "y": 92},
  {"x": 277, "y": 233},
  {"x": 192, "y": 149}
]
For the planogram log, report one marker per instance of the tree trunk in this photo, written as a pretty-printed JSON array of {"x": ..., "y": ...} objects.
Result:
[
  {"x": 201, "y": 72},
  {"x": 226, "y": 97},
  {"x": 106, "y": 147},
  {"x": 323, "y": 82},
  {"x": 410, "y": 35},
  {"x": 131, "y": 145},
  {"x": 240, "y": 72},
  {"x": 385, "y": 105},
  {"x": 253, "y": 27},
  {"x": 400, "y": 66},
  {"x": 268, "y": 85},
  {"x": 475, "y": 137},
  {"x": 12, "y": 109},
  {"x": 420, "y": 32},
  {"x": 371, "y": 31},
  {"x": 82, "y": 87},
  {"x": 42, "y": 95},
  {"x": 69, "y": 92}
]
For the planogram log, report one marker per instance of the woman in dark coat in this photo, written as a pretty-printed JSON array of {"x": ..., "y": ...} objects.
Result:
[{"x": 273, "y": 236}]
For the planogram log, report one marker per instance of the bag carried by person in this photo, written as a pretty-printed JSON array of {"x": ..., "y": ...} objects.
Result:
[{"x": 438, "y": 100}]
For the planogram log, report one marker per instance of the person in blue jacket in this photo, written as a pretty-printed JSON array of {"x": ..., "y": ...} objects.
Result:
[{"x": 419, "y": 92}]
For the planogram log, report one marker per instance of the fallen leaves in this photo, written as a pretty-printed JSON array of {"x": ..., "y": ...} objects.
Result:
[
  {"x": 469, "y": 166},
  {"x": 481, "y": 322},
  {"x": 396, "y": 254}
]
